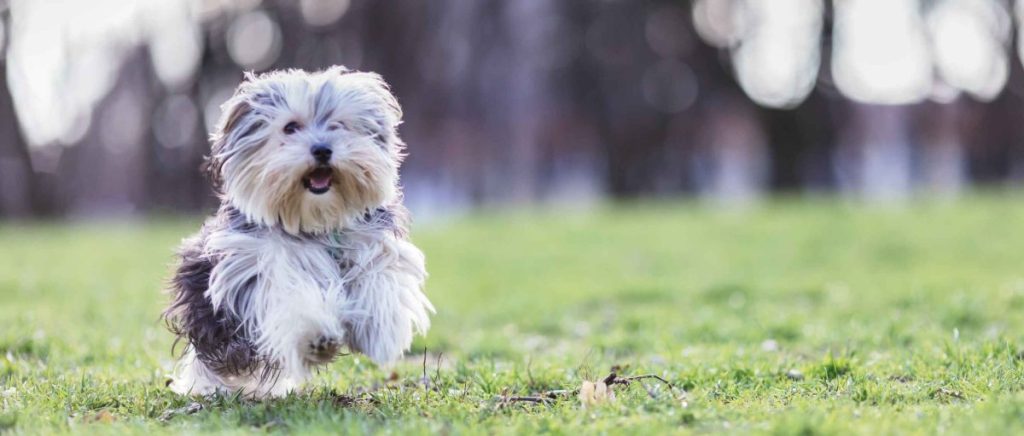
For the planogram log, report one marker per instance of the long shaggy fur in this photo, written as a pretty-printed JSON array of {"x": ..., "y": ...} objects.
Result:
[{"x": 281, "y": 276}]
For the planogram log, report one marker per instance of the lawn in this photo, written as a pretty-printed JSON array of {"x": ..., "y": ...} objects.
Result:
[{"x": 810, "y": 316}]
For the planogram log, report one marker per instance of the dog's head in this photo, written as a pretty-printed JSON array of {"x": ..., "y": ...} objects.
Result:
[{"x": 308, "y": 151}]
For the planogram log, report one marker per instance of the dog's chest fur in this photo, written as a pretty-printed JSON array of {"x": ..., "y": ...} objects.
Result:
[
  {"x": 287, "y": 290},
  {"x": 284, "y": 290},
  {"x": 250, "y": 262}
]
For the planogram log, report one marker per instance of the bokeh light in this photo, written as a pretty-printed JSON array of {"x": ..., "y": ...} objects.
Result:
[
  {"x": 175, "y": 42},
  {"x": 670, "y": 86},
  {"x": 122, "y": 125},
  {"x": 777, "y": 57},
  {"x": 66, "y": 54},
  {"x": 666, "y": 32},
  {"x": 880, "y": 52},
  {"x": 3, "y": 39},
  {"x": 718, "y": 21},
  {"x": 254, "y": 40},
  {"x": 323, "y": 12},
  {"x": 970, "y": 39},
  {"x": 176, "y": 121}
]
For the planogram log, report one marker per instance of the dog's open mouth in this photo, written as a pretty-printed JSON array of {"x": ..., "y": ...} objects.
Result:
[{"x": 319, "y": 180}]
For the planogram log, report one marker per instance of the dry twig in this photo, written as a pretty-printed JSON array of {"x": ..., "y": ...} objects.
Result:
[{"x": 550, "y": 397}]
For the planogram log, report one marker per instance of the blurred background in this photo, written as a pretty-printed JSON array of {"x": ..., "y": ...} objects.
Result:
[{"x": 106, "y": 104}]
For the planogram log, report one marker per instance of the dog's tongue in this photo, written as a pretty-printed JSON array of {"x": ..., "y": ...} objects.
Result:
[{"x": 320, "y": 178}]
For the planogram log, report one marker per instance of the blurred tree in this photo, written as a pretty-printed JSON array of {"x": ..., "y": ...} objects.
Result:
[
  {"x": 533, "y": 100},
  {"x": 16, "y": 174}
]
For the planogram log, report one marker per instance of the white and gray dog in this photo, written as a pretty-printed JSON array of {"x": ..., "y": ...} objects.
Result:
[{"x": 308, "y": 251}]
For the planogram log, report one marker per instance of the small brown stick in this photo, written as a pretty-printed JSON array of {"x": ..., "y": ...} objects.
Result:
[
  {"x": 543, "y": 400},
  {"x": 650, "y": 393},
  {"x": 425, "y": 380},
  {"x": 614, "y": 379},
  {"x": 558, "y": 393}
]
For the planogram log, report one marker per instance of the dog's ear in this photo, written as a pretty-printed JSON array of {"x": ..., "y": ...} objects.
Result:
[
  {"x": 235, "y": 129},
  {"x": 233, "y": 111},
  {"x": 381, "y": 118}
]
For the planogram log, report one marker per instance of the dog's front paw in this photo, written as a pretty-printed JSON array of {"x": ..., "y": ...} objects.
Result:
[{"x": 323, "y": 349}]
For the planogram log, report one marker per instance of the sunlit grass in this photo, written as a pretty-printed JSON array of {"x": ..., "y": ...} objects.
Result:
[{"x": 790, "y": 317}]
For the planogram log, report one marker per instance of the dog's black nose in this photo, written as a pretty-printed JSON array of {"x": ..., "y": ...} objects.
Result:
[{"x": 321, "y": 152}]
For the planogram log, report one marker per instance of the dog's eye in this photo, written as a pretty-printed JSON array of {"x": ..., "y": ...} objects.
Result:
[
  {"x": 291, "y": 127},
  {"x": 336, "y": 125}
]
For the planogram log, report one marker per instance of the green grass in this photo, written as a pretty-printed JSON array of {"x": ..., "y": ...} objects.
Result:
[{"x": 794, "y": 317}]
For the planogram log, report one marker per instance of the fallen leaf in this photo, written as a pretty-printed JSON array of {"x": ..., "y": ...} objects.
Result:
[
  {"x": 103, "y": 417},
  {"x": 592, "y": 393}
]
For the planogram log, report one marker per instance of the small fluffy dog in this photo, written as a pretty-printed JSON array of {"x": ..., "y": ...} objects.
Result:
[{"x": 308, "y": 251}]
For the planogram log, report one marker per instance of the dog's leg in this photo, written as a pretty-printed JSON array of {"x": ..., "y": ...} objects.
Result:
[
  {"x": 386, "y": 304},
  {"x": 192, "y": 377},
  {"x": 323, "y": 349}
]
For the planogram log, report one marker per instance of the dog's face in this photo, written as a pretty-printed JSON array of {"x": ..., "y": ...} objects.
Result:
[{"x": 308, "y": 151}]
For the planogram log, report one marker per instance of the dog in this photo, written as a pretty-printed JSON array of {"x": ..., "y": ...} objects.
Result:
[{"x": 308, "y": 251}]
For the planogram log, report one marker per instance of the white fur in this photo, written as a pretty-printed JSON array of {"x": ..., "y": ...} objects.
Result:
[
  {"x": 385, "y": 306},
  {"x": 320, "y": 270},
  {"x": 262, "y": 165},
  {"x": 191, "y": 377},
  {"x": 375, "y": 305},
  {"x": 297, "y": 296}
]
